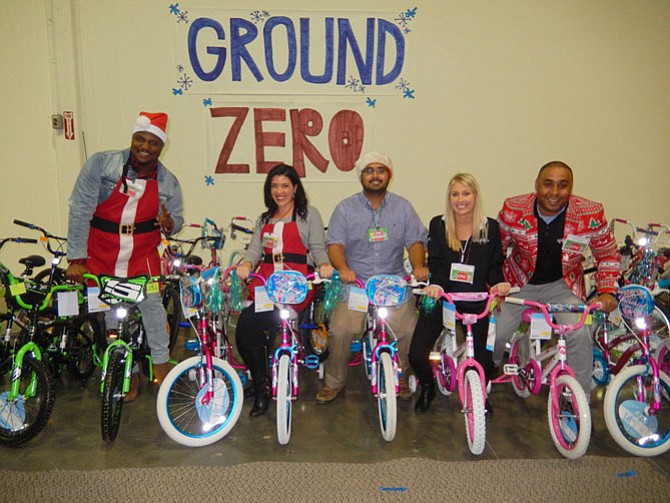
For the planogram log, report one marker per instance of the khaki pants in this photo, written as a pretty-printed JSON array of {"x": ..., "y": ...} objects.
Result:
[{"x": 345, "y": 325}]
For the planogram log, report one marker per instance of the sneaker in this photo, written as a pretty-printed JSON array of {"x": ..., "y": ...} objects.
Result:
[
  {"x": 405, "y": 392},
  {"x": 327, "y": 395}
]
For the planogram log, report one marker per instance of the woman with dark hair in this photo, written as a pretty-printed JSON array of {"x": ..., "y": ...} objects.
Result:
[{"x": 289, "y": 235}]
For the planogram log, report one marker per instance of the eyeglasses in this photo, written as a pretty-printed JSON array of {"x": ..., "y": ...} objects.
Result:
[{"x": 374, "y": 171}]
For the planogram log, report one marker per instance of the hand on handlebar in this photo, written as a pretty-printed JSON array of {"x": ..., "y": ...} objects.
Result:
[
  {"x": 75, "y": 272},
  {"x": 326, "y": 271},
  {"x": 244, "y": 271},
  {"x": 608, "y": 302}
]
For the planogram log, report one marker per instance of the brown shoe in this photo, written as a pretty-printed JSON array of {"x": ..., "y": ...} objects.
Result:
[
  {"x": 160, "y": 371},
  {"x": 327, "y": 395},
  {"x": 134, "y": 388},
  {"x": 404, "y": 393}
]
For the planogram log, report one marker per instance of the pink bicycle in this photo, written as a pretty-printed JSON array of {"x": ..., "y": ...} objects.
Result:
[
  {"x": 456, "y": 365},
  {"x": 568, "y": 408}
]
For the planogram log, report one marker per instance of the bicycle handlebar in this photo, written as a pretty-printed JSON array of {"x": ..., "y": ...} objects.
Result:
[
  {"x": 46, "y": 237},
  {"x": 546, "y": 309}
]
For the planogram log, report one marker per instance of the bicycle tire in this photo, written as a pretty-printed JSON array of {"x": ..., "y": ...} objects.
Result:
[
  {"x": 25, "y": 417},
  {"x": 112, "y": 396},
  {"x": 80, "y": 346},
  {"x": 172, "y": 305},
  {"x": 284, "y": 401},
  {"x": 60, "y": 277},
  {"x": 569, "y": 417},
  {"x": 386, "y": 397},
  {"x": 626, "y": 417},
  {"x": 600, "y": 375},
  {"x": 188, "y": 422},
  {"x": 474, "y": 411}
]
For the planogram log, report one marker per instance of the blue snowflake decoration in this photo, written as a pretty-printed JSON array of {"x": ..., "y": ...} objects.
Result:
[
  {"x": 181, "y": 15},
  {"x": 403, "y": 85},
  {"x": 370, "y": 102},
  {"x": 207, "y": 102},
  {"x": 177, "y": 92},
  {"x": 209, "y": 180},
  {"x": 258, "y": 16}
]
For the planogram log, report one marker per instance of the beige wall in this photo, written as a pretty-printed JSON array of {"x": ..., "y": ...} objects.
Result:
[{"x": 502, "y": 87}]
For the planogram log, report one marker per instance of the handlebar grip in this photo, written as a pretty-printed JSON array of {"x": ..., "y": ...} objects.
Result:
[
  {"x": 25, "y": 240},
  {"x": 514, "y": 300},
  {"x": 514, "y": 289},
  {"x": 242, "y": 229},
  {"x": 621, "y": 220},
  {"x": 24, "y": 224}
]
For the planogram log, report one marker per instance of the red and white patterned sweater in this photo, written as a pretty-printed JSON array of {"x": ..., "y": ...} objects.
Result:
[{"x": 584, "y": 219}]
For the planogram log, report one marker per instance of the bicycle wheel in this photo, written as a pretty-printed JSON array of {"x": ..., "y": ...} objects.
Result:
[
  {"x": 386, "y": 396},
  {"x": 445, "y": 374},
  {"x": 600, "y": 375},
  {"x": 172, "y": 305},
  {"x": 79, "y": 349},
  {"x": 629, "y": 416},
  {"x": 25, "y": 416},
  {"x": 112, "y": 396},
  {"x": 529, "y": 378},
  {"x": 474, "y": 410},
  {"x": 180, "y": 406},
  {"x": 284, "y": 402},
  {"x": 569, "y": 417}
]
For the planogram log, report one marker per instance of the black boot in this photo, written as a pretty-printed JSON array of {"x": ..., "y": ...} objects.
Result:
[
  {"x": 257, "y": 363},
  {"x": 427, "y": 395}
]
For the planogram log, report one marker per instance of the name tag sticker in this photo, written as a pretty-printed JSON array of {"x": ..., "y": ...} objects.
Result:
[
  {"x": 462, "y": 273},
  {"x": 575, "y": 244},
  {"x": 378, "y": 235}
]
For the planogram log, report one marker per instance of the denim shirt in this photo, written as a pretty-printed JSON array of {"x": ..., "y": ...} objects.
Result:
[{"x": 96, "y": 182}]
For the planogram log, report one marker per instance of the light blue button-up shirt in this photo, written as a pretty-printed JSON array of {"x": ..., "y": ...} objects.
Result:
[{"x": 354, "y": 217}]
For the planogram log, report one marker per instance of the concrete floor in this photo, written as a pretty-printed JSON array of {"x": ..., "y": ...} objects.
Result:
[{"x": 346, "y": 430}]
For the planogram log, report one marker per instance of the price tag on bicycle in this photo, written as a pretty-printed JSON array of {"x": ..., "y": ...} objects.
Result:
[{"x": 539, "y": 327}]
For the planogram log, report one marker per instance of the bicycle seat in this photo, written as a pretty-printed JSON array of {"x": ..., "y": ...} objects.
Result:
[
  {"x": 192, "y": 260},
  {"x": 32, "y": 261}
]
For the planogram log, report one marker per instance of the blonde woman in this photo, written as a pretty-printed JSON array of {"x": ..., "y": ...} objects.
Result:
[{"x": 464, "y": 255}]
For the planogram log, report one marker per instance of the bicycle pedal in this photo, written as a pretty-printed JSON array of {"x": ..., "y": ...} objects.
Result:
[{"x": 511, "y": 369}]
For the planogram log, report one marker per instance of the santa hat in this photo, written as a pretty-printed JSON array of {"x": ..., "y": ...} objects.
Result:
[
  {"x": 154, "y": 123},
  {"x": 371, "y": 158}
]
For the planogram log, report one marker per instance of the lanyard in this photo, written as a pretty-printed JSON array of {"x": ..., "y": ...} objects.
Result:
[
  {"x": 464, "y": 259},
  {"x": 376, "y": 217}
]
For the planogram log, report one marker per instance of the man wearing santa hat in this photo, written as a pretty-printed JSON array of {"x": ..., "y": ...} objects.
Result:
[
  {"x": 121, "y": 202},
  {"x": 368, "y": 234}
]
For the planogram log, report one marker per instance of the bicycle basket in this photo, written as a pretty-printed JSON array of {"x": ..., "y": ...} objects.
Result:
[
  {"x": 115, "y": 290},
  {"x": 635, "y": 301},
  {"x": 386, "y": 290},
  {"x": 287, "y": 287}
]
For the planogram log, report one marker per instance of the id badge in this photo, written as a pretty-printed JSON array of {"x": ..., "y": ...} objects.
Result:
[
  {"x": 462, "y": 273},
  {"x": 134, "y": 188},
  {"x": 268, "y": 240},
  {"x": 575, "y": 244},
  {"x": 378, "y": 235}
]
